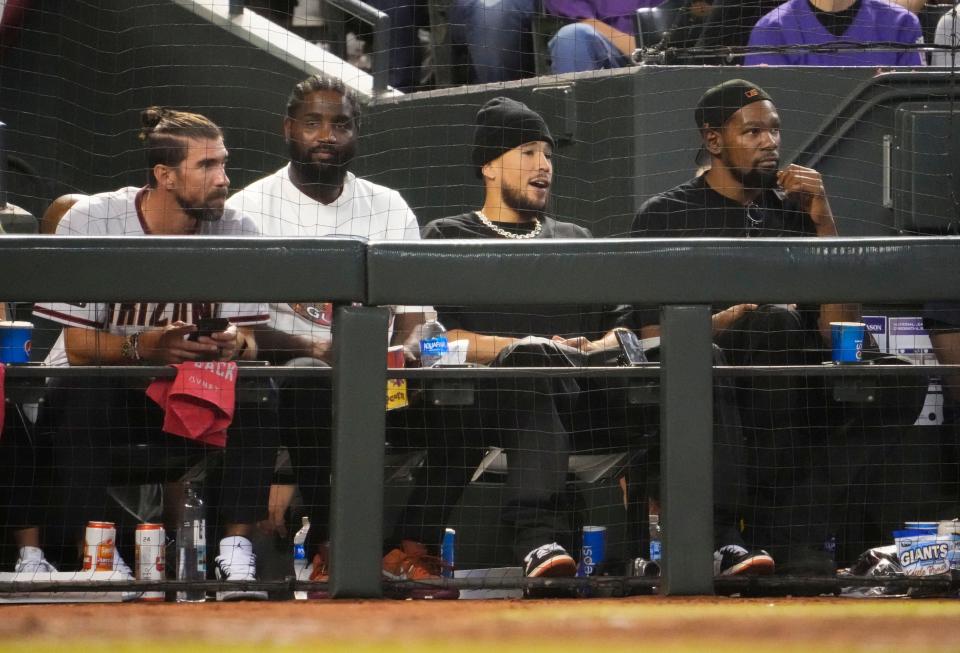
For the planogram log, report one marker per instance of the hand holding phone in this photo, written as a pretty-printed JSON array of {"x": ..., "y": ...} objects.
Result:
[
  {"x": 207, "y": 326},
  {"x": 631, "y": 351}
]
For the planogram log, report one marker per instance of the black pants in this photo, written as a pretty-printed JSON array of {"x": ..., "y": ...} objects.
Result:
[
  {"x": 24, "y": 499},
  {"x": 541, "y": 421},
  {"x": 814, "y": 460},
  {"x": 105, "y": 431},
  {"x": 306, "y": 424}
]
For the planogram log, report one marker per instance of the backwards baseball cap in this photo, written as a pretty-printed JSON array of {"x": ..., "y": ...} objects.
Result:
[
  {"x": 719, "y": 103},
  {"x": 503, "y": 124}
]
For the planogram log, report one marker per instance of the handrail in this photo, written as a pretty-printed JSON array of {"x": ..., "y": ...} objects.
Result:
[
  {"x": 661, "y": 271},
  {"x": 182, "y": 268},
  {"x": 380, "y": 50}
]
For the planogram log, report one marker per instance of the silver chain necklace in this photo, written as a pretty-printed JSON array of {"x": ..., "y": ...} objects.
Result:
[{"x": 537, "y": 228}]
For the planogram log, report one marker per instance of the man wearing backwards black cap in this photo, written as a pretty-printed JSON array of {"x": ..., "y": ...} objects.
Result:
[{"x": 746, "y": 194}]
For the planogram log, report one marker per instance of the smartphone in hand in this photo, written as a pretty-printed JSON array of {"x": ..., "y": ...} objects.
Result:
[
  {"x": 207, "y": 326},
  {"x": 631, "y": 351}
]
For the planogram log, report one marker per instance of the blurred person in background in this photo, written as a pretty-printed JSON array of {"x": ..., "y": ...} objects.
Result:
[
  {"x": 823, "y": 22},
  {"x": 947, "y": 33}
]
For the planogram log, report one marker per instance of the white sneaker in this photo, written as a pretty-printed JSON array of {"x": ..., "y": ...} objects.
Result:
[
  {"x": 238, "y": 563},
  {"x": 122, "y": 572},
  {"x": 32, "y": 562}
]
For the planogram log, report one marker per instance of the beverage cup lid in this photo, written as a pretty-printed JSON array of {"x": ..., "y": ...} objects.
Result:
[
  {"x": 18, "y": 324},
  {"x": 848, "y": 324}
]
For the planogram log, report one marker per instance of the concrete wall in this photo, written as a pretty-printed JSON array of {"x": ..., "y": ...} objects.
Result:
[
  {"x": 72, "y": 88},
  {"x": 633, "y": 135}
]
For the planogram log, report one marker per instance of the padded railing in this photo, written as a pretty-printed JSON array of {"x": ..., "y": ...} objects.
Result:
[{"x": 684, "y": 275}]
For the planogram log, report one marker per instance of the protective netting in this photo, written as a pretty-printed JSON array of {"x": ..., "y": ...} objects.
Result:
[{"x": 810, "y": 470}]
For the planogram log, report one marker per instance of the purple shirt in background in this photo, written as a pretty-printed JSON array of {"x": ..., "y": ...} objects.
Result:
[
  {"x": 615, "y": 13},
  {"x": 794, "y": 23}
]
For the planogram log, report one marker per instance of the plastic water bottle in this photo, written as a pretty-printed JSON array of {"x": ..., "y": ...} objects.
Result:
[
  {"x": 830, "y": 546},
  {"x": 192, "y": 546},
  {"x": 300, "y": 556},
  {"x": 656, "y": 543},
  {"x": 433, "y": 343}
]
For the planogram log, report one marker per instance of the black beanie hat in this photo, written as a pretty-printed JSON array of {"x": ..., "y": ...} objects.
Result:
[
  {"x": 719, "y": 103},
  {"x": 503, "y": 124}
]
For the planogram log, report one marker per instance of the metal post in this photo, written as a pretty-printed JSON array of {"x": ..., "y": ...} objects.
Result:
[
  {"x": 236, "y": 7},
  {"x": 686, "y": 449},
  {"x": 359, "y": 404},
  {"x": 381, "y": 53},
  {"x": 380, "y": 50},
  {"x": 3, "y": 166}
]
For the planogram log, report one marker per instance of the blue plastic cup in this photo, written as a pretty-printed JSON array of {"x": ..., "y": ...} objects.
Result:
[
  {"x": 847, "y": 341},
  {"x": 15, "y": 342},
  {"x": 593, "y": 551}
]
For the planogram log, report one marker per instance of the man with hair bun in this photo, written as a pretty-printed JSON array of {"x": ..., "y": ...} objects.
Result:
[{"x": 107, "y": 418}]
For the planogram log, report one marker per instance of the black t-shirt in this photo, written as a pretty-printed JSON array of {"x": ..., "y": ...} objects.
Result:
[
  {"x": 517, "y": 321},
  {"x": 694, "y": 209},
  {"x": 836, "y": 22}
]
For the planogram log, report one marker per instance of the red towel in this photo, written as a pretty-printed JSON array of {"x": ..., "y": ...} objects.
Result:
[{"x": 199, "y": 403}]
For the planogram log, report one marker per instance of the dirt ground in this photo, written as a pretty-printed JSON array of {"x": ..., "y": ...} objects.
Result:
[{"x": 634, "y": 624}]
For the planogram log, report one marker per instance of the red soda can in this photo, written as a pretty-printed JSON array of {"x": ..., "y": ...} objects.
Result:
[
  {"x": 99, "y": 544},
  {"x": 150, "y": 545}
]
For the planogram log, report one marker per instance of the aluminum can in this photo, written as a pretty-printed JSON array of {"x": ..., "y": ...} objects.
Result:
[
  {"x": 151, "y": 556},
  {"x": 447, "y": 552},
  {"x": 99, "y": 544},
  {"x": 644, "y": 568},
  {"x": 593, "y": 551}
]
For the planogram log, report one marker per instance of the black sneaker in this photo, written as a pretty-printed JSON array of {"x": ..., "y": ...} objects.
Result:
[
  {"x": 549, "y": 561},
  {"x": 734, "y": 560}
]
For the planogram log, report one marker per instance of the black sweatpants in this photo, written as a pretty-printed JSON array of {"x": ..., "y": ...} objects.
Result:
[
  {"x": 812, "y": 459},
  {"x": 540, "y": 422}
]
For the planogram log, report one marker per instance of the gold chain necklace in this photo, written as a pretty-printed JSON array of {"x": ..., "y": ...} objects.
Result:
[{"x": 537, "y": 228}]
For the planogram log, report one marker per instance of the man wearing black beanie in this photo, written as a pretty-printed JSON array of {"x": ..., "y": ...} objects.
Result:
[{"x": 513, "y": 155}]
